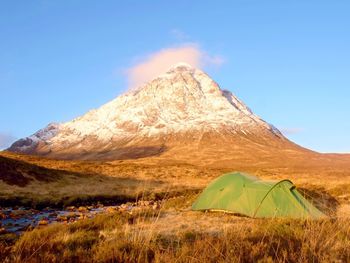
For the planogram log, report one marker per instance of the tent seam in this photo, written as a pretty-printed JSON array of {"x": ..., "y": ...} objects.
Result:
[{"x": 268, "y": 192}]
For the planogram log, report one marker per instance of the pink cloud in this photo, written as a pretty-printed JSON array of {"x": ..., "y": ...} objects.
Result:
[{"x": 159, "y": 62}]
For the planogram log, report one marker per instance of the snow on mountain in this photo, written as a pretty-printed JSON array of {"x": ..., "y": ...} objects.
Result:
[
  {"x": 29, "y": 143},
  {"x": 182, "y": 100}
]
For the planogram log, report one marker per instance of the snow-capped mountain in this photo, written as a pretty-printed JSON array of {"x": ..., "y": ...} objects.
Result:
[{"x": 184, "y": 106}]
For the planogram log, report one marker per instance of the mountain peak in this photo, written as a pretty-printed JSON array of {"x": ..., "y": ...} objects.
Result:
[
  {"x": 182, "y": 103},
  {"x": 182, "y": 66}
]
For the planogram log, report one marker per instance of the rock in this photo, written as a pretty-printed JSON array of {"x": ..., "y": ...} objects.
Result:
[
  {"x": 137, "y": 208},
  {"x": 34, "y": 211},
  {"x": 155, "y": 206},
  {"x": 145, "y": 203},
  {"x": 82, "y": 216},
  {"x": 71, "y": 215},
  {"x": 123, "y": 207},
  {"x": 61, "y": 218},
  {"x": 111, "y": 209},
  {"x": 2, "y": 216},
  {"x": 70, "y": 208},
  {"x": 20, "y": 212},
  {"x": 43, "y": 222},
  {"x": 53, "y": 214},
  {"x": 13, "y": 216},
  {"x": 3, "y": 231},
  {"x": 83, "y": 209}
]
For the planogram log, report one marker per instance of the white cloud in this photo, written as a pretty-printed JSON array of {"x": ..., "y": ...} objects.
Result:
[
  {"x": 154, "y": 64},
  {"x": 6, "y": 140}
]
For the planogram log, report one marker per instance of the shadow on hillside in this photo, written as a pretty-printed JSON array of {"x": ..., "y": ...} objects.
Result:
[
  {"x": 117, "y": 154},
  {"x": 324, "y": 201},
  {"x": 21, "y": 173},
  {"x": 74, "y": 188},
  {"x": 131, "y": 153}
]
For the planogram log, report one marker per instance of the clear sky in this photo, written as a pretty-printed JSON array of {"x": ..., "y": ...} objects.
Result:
[{"x": 289, "y": 61}]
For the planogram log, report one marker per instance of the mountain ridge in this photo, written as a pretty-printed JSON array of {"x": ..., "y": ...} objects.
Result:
[{"x": 182, "y": 106}]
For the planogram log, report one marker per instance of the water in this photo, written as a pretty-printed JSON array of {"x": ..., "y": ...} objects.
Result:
[{"x": 19, "y": 219}]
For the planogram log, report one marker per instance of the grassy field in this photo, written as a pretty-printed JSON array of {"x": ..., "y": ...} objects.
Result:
[
  {"x": 69, "y": 182},
  {"x": 173, "y": 232},
  {"x": 64, "y": 183}
]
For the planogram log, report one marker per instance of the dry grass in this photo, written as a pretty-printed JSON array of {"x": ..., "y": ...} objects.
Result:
[
  {"x": 84, "y": 182},
  {"x": 130, "y": 178},
  {"x": 175, "y": 234}
]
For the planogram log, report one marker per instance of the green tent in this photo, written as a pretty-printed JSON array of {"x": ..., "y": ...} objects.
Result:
[{"x": 248, "y": 195}]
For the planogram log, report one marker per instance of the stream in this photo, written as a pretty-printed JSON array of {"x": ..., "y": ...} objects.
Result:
[{"x": 19, "y": 219}]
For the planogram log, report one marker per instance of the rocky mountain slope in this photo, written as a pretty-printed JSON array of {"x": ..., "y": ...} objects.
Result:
[{"x": 181, "y": 113}]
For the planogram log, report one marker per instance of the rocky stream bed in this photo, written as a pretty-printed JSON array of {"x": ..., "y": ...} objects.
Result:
[{"x": 19, "y": 219}]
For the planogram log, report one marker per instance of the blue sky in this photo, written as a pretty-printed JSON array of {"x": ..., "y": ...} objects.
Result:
[{"x": 289, "y": 61}]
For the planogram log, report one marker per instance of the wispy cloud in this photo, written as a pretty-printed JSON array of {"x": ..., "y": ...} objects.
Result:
[
  {"x": 179, "y": 35},
  {"x": 6, "y": 139},
  {"x": 291, "y": 131},
  {"x": 156, "y": 63}
]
